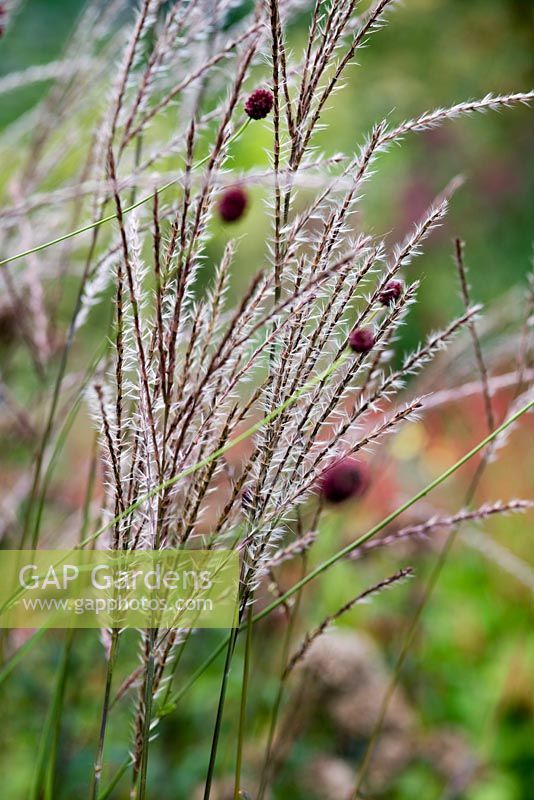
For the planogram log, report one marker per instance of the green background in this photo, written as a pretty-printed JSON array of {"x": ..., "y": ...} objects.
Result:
[{"x": 472, "y": 663}]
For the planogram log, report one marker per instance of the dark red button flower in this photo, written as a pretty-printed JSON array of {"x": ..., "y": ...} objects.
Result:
[
  {"x": 259, "y": 104},
  {"x": 3, "y": 19},
  {"x": 344, "y": 480},
  {"x": 361, "y": 340},
  {"x": 233, "y": 204},
  {"x": 390, "y": 293}
]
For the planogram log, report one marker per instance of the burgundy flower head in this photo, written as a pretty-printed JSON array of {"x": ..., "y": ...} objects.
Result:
[
  {"x": 391, "y": 292},
  {"x": 259, "y": 104},
  {"x": 344, "y": 480},
  {"x": 3, "y": 19},
  {"x": 233, "y": 204},
  {"x": 361, "y": 340}
]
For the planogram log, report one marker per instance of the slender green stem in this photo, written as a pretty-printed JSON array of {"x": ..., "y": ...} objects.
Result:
[
  {"x": 106, "y": 793},
  {"x": 46, "y": 762},
  {"x": 44, "y": 771},
  {"x": 97, "y": 773},
  {"x": 243, "y": 704},
  {"x": 26, "y": 648},
  {"x": 266, "y": 771},
  {"x": 177, "y": 696},
  {"x": 220, "y": 708},
  {"x": 149, "y": 689},
  {"x": 167, "y": 708},
  {"x": 110, "y": 217},
  {"x": 175, "y": 666},
  {"x": 65, "y": 236},
  {"x": 407, "y": 643}
]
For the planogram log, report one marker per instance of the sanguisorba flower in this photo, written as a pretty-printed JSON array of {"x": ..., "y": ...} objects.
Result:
[
  {"x": 343, "y": 480},
  {"x": 361, "y": 340},
  {"x": 233, "y": 204},
  {"x": 259, "y": 104},
  {"x": 3, "y": 19},
  {"x": 391, "y": 292}
]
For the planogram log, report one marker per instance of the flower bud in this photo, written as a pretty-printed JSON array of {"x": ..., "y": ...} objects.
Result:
[
  {"x": 361, "y": 340},
  {"x": 259, "y": 104},
  {"x": 233, "y": 204},
  {"x": 391, "y": 292},
  {"x": 343, "y": 480},
  {"x": 3, "y": 19}
]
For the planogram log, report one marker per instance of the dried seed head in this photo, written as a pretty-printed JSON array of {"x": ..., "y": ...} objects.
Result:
[
  {"x": 391, "y": 292},
  {"x": 361, "y": 340},
  {"x": 343, "y": 480},
  {"x": 259, "y": 104},
  {"x": 232, "y": 204}
]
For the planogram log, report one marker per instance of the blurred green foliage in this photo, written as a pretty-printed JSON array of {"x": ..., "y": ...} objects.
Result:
[{"x": 476, "y": 644}]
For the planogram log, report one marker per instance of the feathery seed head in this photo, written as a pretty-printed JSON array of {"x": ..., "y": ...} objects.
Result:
[
  {"x": 343, "y": 480},
  {"x": 391, "y": 292},
  {"x": 259, "y": 104},
  {"x": 361, "y": 340},
  {"x": 233, "y": 204},
  {"x": 246, "y": 499}
]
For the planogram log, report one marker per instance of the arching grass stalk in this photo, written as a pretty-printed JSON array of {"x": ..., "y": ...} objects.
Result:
[
  {"x": 110, "y": 217},
  {"x": 345, "y": 551},
  {"x": 329, "y": 562}
]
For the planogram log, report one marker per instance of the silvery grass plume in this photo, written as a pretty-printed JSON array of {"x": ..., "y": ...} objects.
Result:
[
  {"x": 424, "y": 530},
  {"x": 186, "y": 372}
]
